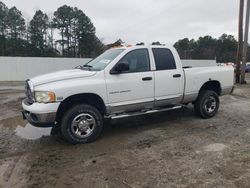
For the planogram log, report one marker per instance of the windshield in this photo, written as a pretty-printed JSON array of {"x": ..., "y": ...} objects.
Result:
[{"x": 103, "y": 60}]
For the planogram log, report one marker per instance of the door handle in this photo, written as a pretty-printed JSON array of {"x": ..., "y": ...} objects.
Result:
[
  {"x": 147, "y": 78},
  {"x": 177, "y": 75}
]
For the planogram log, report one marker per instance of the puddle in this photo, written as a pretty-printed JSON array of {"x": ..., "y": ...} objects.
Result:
[
  {"x": 13, "y": 122},
  {"x": 32, "y": 133},
  {"x": 25, "y": 130},
  {"x": 215, "y": 147}
]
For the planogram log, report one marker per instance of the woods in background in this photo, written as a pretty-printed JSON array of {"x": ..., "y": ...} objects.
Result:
[
  {"x": 222, "y": 49},
  {"x": 36, "y": 38},
  {"x": 70, "y": 33}
]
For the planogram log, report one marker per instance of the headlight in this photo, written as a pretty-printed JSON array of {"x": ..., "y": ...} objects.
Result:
[{"x": 45, "y": 96}]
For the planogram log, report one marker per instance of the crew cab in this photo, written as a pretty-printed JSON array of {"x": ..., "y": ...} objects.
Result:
[{"x": 122, "y": 82}]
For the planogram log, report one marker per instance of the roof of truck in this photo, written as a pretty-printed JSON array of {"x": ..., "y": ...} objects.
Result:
[{"x": 143, "y": 46}]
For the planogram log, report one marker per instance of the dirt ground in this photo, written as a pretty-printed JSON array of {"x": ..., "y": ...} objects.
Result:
[{"x": 170, "y": 149}]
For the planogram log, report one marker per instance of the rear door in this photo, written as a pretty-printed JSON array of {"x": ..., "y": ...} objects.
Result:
[
  {"x": 134, "y": 89},
  {"x": 169, "y": 80}
]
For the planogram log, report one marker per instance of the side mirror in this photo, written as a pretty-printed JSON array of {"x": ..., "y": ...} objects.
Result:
[{"x": 119, "y": 68}]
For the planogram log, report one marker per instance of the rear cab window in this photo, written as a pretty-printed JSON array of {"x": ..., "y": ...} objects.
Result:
[{"x": 164, "y": 59}]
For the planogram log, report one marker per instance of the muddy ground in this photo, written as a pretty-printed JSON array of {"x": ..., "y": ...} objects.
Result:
[{"x": 170, "y": 149}]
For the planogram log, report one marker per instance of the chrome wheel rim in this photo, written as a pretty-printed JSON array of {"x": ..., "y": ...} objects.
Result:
[
  {"x": 83, "y": 125},
  {"x": 210, "y": 104}
]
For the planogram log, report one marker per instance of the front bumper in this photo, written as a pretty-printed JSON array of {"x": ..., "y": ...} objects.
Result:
[
  {"x": 40, "y": 115},
  {"x": 40, "y": 120}
]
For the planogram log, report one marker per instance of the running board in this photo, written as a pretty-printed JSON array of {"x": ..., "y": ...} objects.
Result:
[{"x": 142, "y": 113}]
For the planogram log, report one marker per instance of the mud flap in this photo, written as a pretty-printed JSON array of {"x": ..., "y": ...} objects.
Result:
[{"x": 23, "y": 114}]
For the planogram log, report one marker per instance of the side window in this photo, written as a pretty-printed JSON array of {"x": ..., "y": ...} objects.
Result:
[
  {"x": 164, "y": 59},
  {"x": 137, "y": 60}
]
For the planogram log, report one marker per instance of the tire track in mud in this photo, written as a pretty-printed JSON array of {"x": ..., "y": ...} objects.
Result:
[{"x": 162, "y": 150}]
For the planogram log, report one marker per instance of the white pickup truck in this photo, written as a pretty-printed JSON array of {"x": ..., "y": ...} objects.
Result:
[{"x": 122, "y": 82}]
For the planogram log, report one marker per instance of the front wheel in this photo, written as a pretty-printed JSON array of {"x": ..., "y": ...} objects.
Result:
[
  {"x": 207, "y": 104},
  {"x": 82, "y": 124}
]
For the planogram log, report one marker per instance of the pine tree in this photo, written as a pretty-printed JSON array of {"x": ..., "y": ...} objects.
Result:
[
  {"x": 16, "y": 25},
  {"x": 38, "y": 32}
]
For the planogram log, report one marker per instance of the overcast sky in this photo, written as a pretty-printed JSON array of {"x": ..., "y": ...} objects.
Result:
[{"x": 147, "y": 20}]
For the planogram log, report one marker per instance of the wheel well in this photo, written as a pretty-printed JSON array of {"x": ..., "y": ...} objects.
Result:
[
  {"x": 212, "y": 85},
  {"x": 86, "y": 98}
]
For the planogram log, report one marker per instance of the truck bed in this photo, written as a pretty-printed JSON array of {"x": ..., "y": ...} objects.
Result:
[
  {"x": 197, "y": 76},
  {"x": 198, "y": 63}
]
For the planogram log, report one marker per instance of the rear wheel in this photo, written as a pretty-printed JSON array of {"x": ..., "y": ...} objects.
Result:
[
  {"x": 207, "y": 104},
  {"x": 82, "y": 124}
]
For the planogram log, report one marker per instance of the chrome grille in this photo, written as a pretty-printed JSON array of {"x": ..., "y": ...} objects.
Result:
[{"x": 28, "y": 93}]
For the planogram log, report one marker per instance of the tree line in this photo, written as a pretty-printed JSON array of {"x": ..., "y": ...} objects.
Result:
[
  {"x": 39, "y": 37},
  {"x": 223, "y": 49},
  {"x": 36, "y": 38}
]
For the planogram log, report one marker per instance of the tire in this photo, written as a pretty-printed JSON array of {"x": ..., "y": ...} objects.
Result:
[
  {"x": 82, "y": 124},
  {"x": 207, "y": 104}
]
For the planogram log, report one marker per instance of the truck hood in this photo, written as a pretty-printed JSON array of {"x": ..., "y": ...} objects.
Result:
[{"x": 61, "y": 75}]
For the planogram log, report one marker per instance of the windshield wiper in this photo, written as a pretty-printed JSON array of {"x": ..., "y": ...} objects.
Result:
[
  {"x": 78, "y": 67},
  {"x": 89, "y": 66},
  {"x": 86, "y": 67}
]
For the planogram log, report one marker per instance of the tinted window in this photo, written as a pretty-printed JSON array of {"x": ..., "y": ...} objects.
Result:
[
  {"x": 137, "y": 60},
  {"x": 164, "y": 59}
]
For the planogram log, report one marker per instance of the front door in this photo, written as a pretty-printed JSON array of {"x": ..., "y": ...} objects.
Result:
[{"x": 133, "y": 89}]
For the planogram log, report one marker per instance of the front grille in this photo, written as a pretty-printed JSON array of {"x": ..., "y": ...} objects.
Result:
[{"x": 28, "y": 93}]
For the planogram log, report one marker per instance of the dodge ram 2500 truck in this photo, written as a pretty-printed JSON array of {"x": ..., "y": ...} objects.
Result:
[{"x": 122, "y": 82}]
